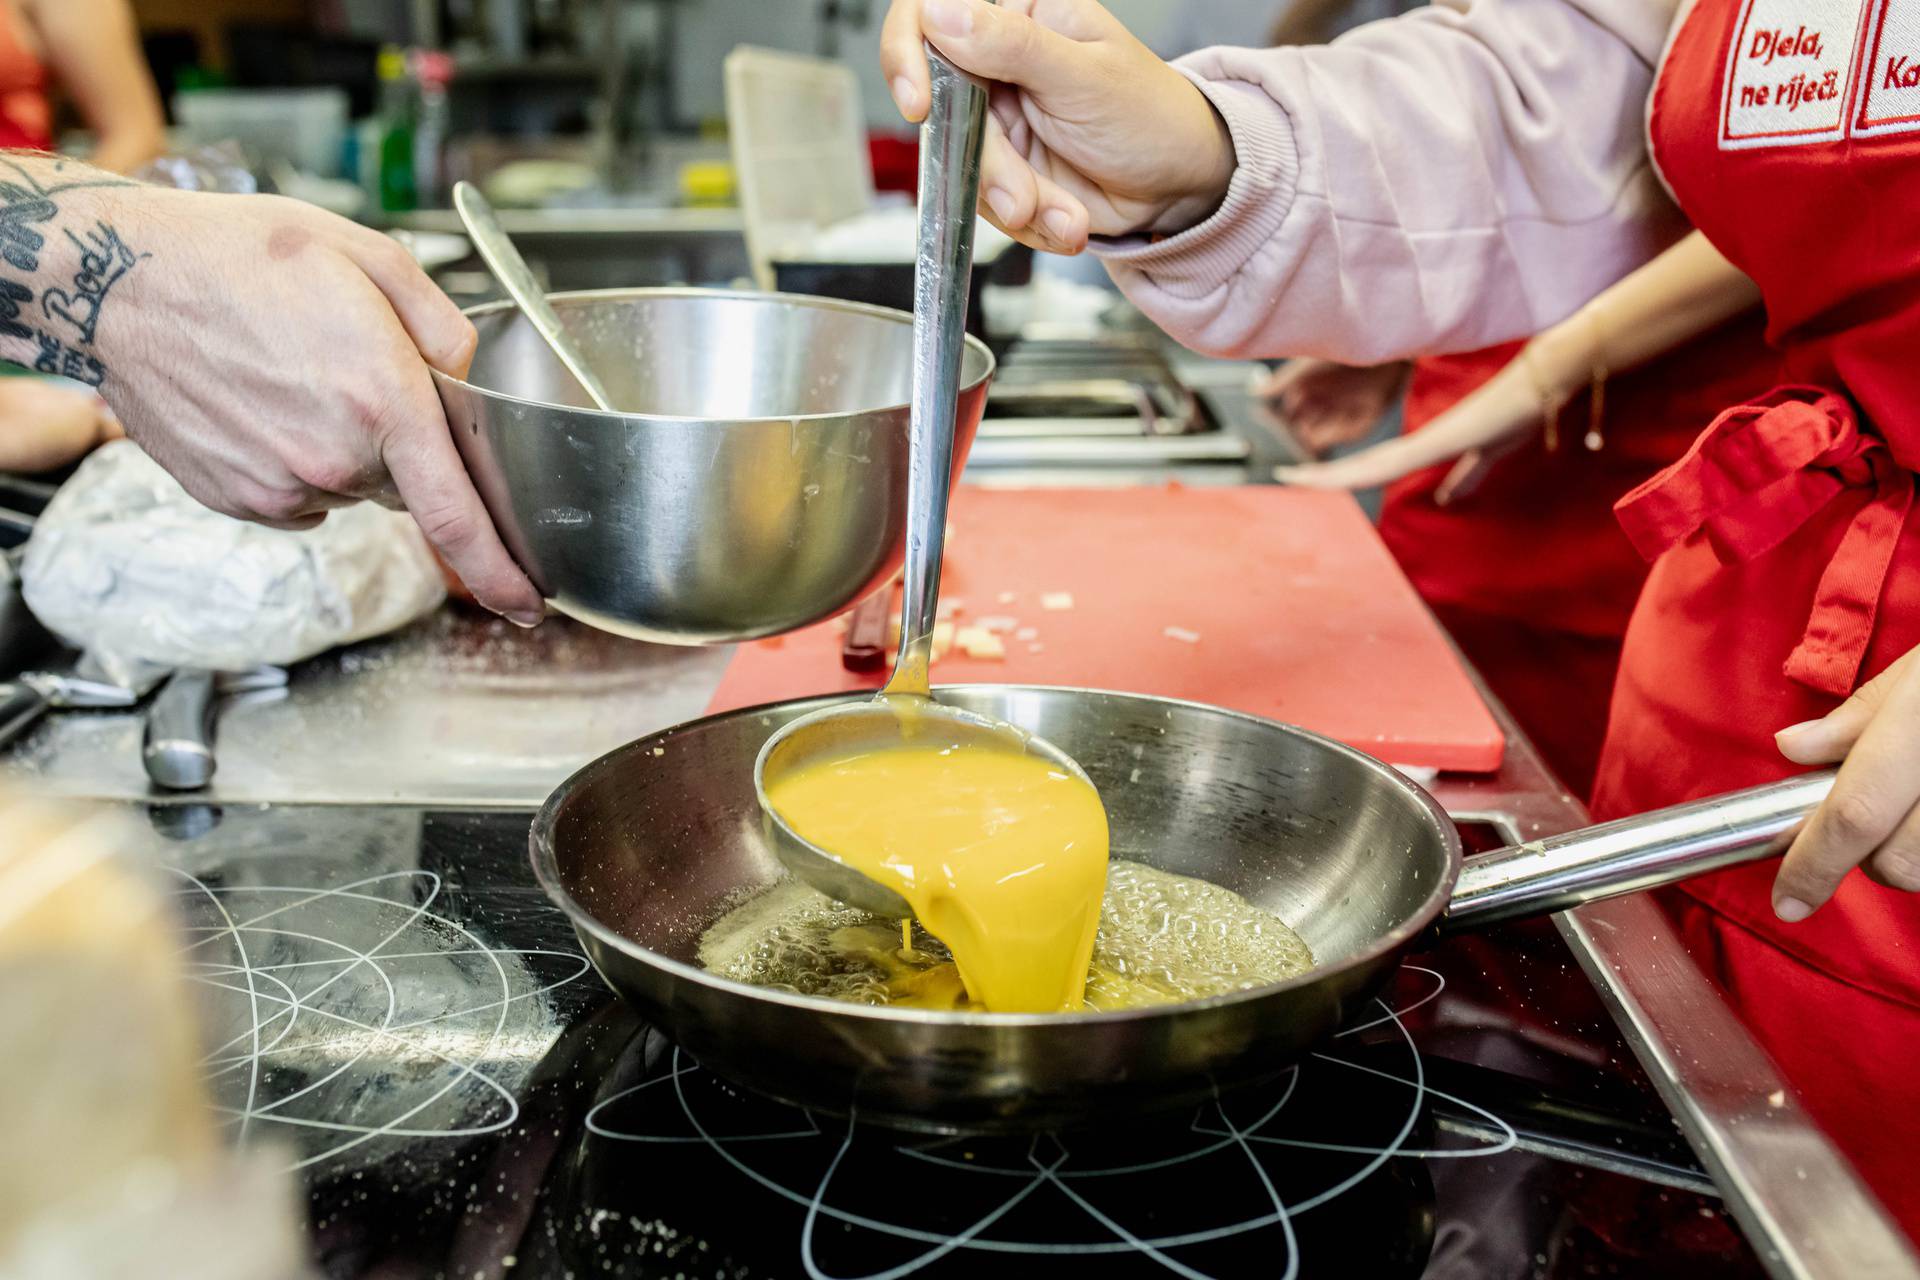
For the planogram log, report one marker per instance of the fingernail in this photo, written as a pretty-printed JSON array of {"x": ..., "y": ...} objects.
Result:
[
  {"x": 905, "y": 96},
  {"x": 1792, "y": 910},
  {"x": 1059, "y": 224},
  {"x": 949, "y": 17},
  {"x": 1001, "y": 203},
  {"x": 525, "y": 618},
  {"x": 1794, "y": 730}
]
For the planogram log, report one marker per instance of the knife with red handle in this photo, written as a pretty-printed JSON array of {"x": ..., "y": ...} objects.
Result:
[{"x": 865, "y": 647}]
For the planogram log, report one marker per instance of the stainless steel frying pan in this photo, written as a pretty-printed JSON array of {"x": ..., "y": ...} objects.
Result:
[{"x": 649, "y": 845}]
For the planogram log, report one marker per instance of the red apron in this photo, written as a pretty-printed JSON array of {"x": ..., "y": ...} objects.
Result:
[
  {"x": 26, "y": 117},
  {"x": 1530, "y": 572},
  {"x": 1788, "y": 545}
]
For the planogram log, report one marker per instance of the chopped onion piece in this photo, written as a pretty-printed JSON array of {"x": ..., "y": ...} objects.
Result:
[{"x": 978, "y": 642}]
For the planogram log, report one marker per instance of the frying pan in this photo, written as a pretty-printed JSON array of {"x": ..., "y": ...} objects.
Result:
[{"x": 647, "y": 846}]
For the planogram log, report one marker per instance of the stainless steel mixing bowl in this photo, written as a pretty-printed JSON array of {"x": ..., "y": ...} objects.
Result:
[{"x": 763, "y": 487}]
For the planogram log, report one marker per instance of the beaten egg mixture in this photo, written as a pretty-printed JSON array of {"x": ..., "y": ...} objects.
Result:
[
  {"x": 1163, "y": 938},
  {"x": 1001, "y": 855}
]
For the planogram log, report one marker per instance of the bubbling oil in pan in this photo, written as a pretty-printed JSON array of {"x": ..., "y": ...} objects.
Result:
[{"x": 1163, "y": 938}]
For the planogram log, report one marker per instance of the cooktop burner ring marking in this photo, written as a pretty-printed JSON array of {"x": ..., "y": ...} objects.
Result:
[
  {"x": 1279, "y": 1217},
  {"x": 294, "y": 1003},
  {"x": 418, "y": 914},
  {"x": 253, "y": 999},
  {"x": 1184, "y": 1157},
  {"x": 311, "y": 895},
  {"x": 944, "y": 1245},
  {"x": 1504, "y": 1145},
  {"x": 290, "y": 1012},
  {"x": 414, "y": 913},
  {"x": 573, "y": 957},
  {"x": 1439, "y": 985},
  {"x": 681, "y": 1068}
]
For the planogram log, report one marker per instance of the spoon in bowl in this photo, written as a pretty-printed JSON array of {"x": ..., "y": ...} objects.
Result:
[
  {"x": 511, "y": 270},
  {"x": 905, "y": 710}
]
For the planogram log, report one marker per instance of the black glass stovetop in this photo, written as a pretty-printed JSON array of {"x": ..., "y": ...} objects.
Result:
[{"x": 395, "y": 1008}]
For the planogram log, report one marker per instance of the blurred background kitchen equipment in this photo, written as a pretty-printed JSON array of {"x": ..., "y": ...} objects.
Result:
[
  {"x": 511, "y": 270},
  {"x": 649, "y": 845},
  {"x": 797, "y": 134},
  {"x": 304, "y": 127},
  {"x": 763, "y": 489},
  {"x": 798, "y": 142}
]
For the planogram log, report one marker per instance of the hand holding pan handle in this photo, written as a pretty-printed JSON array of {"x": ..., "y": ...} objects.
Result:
[{"x": 1634, "y": 853}]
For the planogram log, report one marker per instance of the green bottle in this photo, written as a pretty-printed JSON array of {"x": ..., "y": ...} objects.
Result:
[{"x": 398, "y": 193}]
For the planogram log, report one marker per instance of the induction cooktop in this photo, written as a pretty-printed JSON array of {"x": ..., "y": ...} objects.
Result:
[{"x": 394, "y": 1008}]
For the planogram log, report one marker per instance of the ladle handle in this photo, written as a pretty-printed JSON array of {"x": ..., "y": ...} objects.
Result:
[
  {"x": 1635, "y": 853},
  {"x": 949, "y": 187},
  {"x": 511, "y": 270}
]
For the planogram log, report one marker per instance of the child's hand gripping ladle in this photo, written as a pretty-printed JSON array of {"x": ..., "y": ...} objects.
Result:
[{"x": 904, "y": 710}]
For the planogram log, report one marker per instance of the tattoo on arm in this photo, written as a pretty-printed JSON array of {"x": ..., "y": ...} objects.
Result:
[
  {"x": 69, "y": 314},
  {"x": 104, "y": 259},
  {"x": 12, "y": 295},
  {"x": 20, "y": 208}
]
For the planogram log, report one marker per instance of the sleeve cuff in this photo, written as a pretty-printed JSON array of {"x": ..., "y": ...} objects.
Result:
[{"x": 1266, "y": 171}]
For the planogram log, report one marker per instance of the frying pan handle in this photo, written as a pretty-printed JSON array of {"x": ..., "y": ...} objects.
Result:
[{"x": 1635, "y": 853}]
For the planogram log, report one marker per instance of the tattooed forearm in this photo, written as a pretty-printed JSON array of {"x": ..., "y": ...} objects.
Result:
[
  {"x": 104, "y": 259},
  {"x": 86, "y": 179},
  {"x": 58, "y": 309},
  {"x": 12, "y": 297},
  {"x": 20, "y": 208},
  {"x": 69, "y": 362}
]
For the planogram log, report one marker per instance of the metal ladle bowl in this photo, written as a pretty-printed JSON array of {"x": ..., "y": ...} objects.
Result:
[{"x": 874, "y": 725}]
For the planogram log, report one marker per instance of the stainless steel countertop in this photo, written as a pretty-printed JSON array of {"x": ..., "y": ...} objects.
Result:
[{"x": 459, "y": 711}]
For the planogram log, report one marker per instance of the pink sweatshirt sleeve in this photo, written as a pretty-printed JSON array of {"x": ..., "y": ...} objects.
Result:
[{"x": 1466, "y": 174}]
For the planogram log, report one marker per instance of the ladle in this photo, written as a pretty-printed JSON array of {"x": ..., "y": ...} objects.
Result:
[
  {"x": 511, "y": 270},
  {"x": 905, "y": 710}
]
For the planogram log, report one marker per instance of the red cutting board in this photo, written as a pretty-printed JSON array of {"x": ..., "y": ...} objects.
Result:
[{"x": 1301, "y": 615}]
